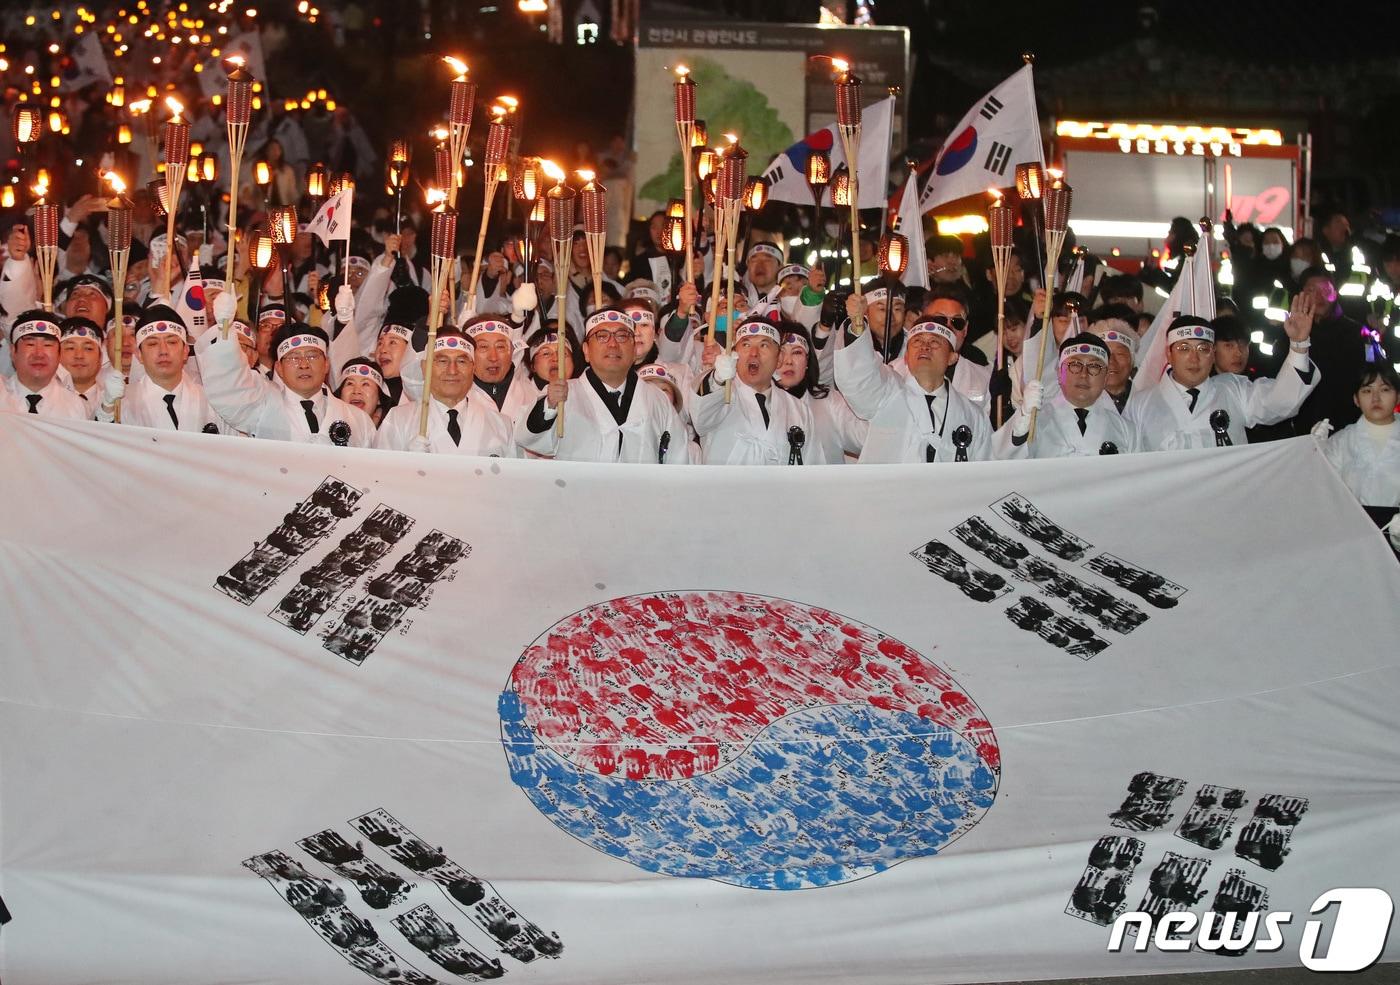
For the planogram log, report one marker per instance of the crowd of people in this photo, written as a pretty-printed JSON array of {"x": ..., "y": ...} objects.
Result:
[{"x": 797, "y": 369}]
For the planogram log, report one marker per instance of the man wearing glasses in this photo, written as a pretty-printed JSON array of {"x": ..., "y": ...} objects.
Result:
[
  {"x": 914, "y": 415},
  {"x": 295, "y": 405},
  {"x": 1079, "y": 419},
  {"x": 1190, "y": 408},
  {"x": 609, "y": 416}
]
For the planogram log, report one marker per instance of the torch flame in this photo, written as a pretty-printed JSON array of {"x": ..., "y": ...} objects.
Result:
[
  {"x": 40, "y": 189},
  {"x": 585, "y": 174},
  {"x": 733, "y": 138},
  {"x": 458, "y": 66},
  {"x": 236, "y": 60},
  {"x": 434, "y": 197},
  {"x": 552, "y": 169},
  {"x": 176, "y": 108},
  {"x": 1055, "y": 173},
  {"x": 139, "y": 107},
  {"x": 682, "y": 71},
  {"x": 841, "y": 65},
  {"x": 118, "y": 186},
  {"x": 439, "y": 133},
  {"x": 509, "y": 102},
  {"x": 498, "y": 112},
  {"x": 996, "y": 195}
]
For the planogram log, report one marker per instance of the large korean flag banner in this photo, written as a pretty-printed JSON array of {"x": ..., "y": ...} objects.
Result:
[{"x": 275, "y": 713}]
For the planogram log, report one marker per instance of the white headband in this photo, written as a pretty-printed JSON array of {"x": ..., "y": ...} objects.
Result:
[
  {"x": 607, "y": 317},
  {"x": 487, "y": 328},
  {"x": 643, "y": 294},
  {"x": 301, "y": 342},
  {"x": 1085, "y": 349},
  {"x": 655, "y": 371},
  {"x": 794, "y": 339},
  {"x": 551, "y": 338},
  {"x": 244, "y": 329},
  {"x": 357, "y": 262},
  {"x": 454, "y": 343},
  {"x": 145, "y": 331},
  {"x": 35, "y": 326},
  {"x": 758, "y": 329},
  {"x": 402, "y": 331},
  {"x": 81, "y": 332},
  {"x": 928, "y": 327},
  {"x": 792, "y": 270},
  {"x": 368, "y": 372},
  {"x": 1190, "y": 333},
  {"x": 642, "y": 317},
  {"x": 765, "y": 249},
  {"x": 1115, "y": 329},
  {"x": 273, "y": 314}
]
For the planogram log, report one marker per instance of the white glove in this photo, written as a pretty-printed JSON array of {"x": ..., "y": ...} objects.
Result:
[
  {"x": 1393, "y": 529},
  {"x": 1031, "y": 395},
  {"x": 726, "y": 364},
  {"x": 225, "y": 306},
  {"x": 1321, "y": 429},
  {"x": 525, "y": 299},
  {"x": 345, "y": 304},
  {"x": 418, "y": 444},
  {"x": 113, "y": 386}
]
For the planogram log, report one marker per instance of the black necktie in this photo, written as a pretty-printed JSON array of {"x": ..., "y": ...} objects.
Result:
[
  {"x": 169, "y": 399},
  {"x": 310, "y": 407},
  {"x": 930, "y": 452},
  {"x": 454, "y": 430},
  {"x": 1083, "y": 414},
  {"x": 1194, "y": 394},
  {"x": 33, "y": 399},
  {"x": 763, "y": 407}
]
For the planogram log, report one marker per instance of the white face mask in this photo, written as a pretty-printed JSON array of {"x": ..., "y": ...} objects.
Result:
[
  {"x": 789, "y": 306},
  {"x": 1297, "y": 265},
  {"x": 1272, "y": 251}
]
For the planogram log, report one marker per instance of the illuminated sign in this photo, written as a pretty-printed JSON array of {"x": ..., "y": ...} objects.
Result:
[{"x": 1168, "y": 138}]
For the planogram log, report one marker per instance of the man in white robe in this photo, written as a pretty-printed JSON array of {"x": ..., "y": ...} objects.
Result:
[
  {"x": 609, "y": 415},
  {"x": 295, "y": 405},
  {"x": 461, "y": 419},
  {"x": 1190, "y": 408},
  {"x": 759, "y": 423},
  {"x": 915, "y": 416},
  {"x": 1078, "y": 420}
]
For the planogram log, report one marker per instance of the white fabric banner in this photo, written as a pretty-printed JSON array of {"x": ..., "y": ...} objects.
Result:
[
  {"x": 999, "y": 132},
  {"x": 274, "y": 713}
]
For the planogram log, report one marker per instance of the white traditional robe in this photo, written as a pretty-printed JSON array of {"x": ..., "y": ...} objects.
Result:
[
  {"x": 484, "y": 431},
  {"x": 56, "y": 400},
  {"x": 143, "y": 404},
  {"x": 734, "y": 433},
  {"x": 592, "y": 435},
  {"x": 1057, "y": 432},
  {"x": 1166, "y": 422},
  {"x": 901, "y": 426},
  {"x": 839, "y": 431},
  {"x": 1371, "y": 469},
  {"x": 264, "y": 408}
]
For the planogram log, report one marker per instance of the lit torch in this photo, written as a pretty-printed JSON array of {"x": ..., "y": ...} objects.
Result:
[
  {"x": 239, "y": 110},
  {"x": 177, "y": 153},
  {"x": 560, "y": 216},
  {"x": 1000, "y": 224},
  {"x": 119, "y": 210},
  {"x": 497, "y": 149},
  {"x": 686, "y": 133},
  {"x": 459, "y": 114},
  {"x": 443, "y": 245},
  {"x": 1057, "y": 201},
  {"x": 848, "y": 122},
  {"x": 594, "y": 198},
  {"x": 733, "y": 179},
  {"x": 45, "y": 237}
]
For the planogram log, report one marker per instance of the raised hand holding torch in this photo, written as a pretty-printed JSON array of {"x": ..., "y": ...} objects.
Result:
[
  {"x": 1057, "y": 202},
  {"x": 443, "y": 246}
]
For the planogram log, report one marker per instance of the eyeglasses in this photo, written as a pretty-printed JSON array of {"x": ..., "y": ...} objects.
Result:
[
  {"x": 305, "y": 358},
  {"x": 603, "y": 335},
  {"x": 1182, "y": 348},
  {"x": 1080, "y": 369},
  {"x": 950, "y": 321}
]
